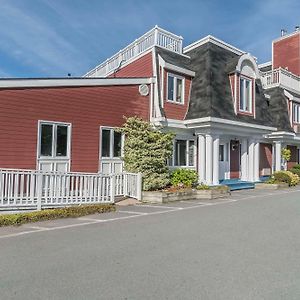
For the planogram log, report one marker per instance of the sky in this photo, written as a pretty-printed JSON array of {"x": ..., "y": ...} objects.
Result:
[{"x": 51, "y": 38}]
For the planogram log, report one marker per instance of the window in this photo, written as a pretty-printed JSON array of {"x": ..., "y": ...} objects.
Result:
[
  {"x": 184, "y": 153},
  {"x": 296, "y": 113},
  {"x": 245, "y": 95},
  {"x": 111, "y": 143},
  {"x": 54, "y": 139},
  {"x": 175, "y": 89}
]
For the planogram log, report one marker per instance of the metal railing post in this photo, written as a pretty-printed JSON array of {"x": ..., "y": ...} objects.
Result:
[{"x": 139, "y": 184}]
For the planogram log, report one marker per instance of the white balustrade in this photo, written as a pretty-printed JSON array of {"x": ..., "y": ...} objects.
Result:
[
  {"x": 154, "y": 37},
  {"x": 282, "y": 77},
  {"x": 37, "y": 189}
]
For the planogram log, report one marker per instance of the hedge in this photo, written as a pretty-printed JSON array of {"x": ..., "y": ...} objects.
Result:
[{"x": 56, "y": 213}]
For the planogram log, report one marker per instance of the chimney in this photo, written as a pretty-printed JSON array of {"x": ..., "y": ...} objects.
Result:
[{"x": 283, "y": 32}]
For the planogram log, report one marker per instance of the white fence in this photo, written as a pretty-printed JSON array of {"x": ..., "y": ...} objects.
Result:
[
  {"x": 36, "y": 189},
  {"x": 282, "y": 77},
  {"x": 154, "y": 37}
]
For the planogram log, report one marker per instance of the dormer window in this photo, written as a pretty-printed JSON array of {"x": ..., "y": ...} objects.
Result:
[
  {"x": 296, "y": 113},
  {"x": 175, "y": 89},
  {"x": 245, "y": 103}
]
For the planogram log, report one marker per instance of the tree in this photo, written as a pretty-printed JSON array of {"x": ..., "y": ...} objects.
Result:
[{"x": 146, "y": 150}]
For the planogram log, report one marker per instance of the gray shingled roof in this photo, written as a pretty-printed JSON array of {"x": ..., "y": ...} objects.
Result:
[
  {"x": 278, "y": 109},
  {"x": 211, "y": 93}
]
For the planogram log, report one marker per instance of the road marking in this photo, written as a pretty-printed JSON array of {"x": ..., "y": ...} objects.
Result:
[
  {"x": 133, "y": 212},
  {"x": 157, "y": 206},
  {"x": 137, "y": 215}
]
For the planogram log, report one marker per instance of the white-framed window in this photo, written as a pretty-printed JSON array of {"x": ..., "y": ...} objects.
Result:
[
  {"x": 296, "y": 113},
  {"x": 246, "y": 97},
  {"x": 183, "y": 153},
  {"x": 54, "y": 139},
  {"x": 175, "y": 88},
  {"x": 111, "y": 143}
]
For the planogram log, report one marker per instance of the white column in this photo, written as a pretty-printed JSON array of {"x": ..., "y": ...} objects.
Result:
[
  {"x": 209, "y": 159},
  {"x": 278, "y": 156},
  {"x": 244, "y": 160},
  {"x": 256, "y": 161},
  {"x": 251, "y": 161},
  {"x": 216, "y": 150},
  {"x": 201, "y": 158}
]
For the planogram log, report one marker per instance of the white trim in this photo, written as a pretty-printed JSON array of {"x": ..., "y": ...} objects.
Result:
[
  {"x": 266, "y": 64},
  {"x": 175, "y": 68},
  {"x": 175, "y": 77},
  {"x": 215, "y": 41},
  {"x": 229, "y": 122},
  {"x": 59, "y": 82},
  {"x": 251, "y": 100},
  {"x": 286, "y": 36},
  {"x": 53, "y": 159},
  {"x": 250, "y": 58}
]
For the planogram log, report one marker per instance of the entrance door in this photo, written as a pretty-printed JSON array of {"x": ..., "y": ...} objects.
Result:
[
  {"x": 224, "y": 161},
  {"x": 235, "y": 159}
]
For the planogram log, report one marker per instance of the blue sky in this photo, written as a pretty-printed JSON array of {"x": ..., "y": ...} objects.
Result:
[{"x": 40, "y": 38}]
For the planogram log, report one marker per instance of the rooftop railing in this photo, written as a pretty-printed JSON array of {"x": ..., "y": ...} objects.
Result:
[
  {"x": 281, "y": 77},
  {"x": 154, "y": 37}
]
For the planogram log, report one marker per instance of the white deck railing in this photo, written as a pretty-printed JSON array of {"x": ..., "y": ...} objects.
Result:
[
  {"x": 282, "y": 77},
  {"x": 154, "y": 37},
  {"x": 37, "y": 189}
]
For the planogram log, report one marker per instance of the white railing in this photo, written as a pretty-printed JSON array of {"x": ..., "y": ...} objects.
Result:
[
  {"x": 36, "y": 189},
  {"x": 154, "y": 37},
  {"x": 282, "y": 77}
]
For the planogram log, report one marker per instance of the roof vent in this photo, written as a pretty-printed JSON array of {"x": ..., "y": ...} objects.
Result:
[
  {"x": 283, "y": 32},
  {"x": 297, "y": 28}
]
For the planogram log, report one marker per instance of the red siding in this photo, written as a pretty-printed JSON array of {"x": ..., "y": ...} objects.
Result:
[
  {"x": 87, "y": 108},
  {"x": 173, "y": 110},
  {"x": 294, "y": 156},
  {"x": 286, "y": 54},
  {"x": 265, "y": 157},
  {"x": 142, "y": 67}
]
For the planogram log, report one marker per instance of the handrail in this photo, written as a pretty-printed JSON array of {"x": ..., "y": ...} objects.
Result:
[{"x": 154, "y": 37}]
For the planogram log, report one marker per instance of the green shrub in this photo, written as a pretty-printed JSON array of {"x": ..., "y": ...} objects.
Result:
[
  {"x": 184, "y": 177},
  {"x": 295, "y": 171},
  {"x": 202, "y": 186},
  {"x": 146, "y": 150},
  {"x": 57, "y": 213},
  {"x": 296, "y": 167},
  {"x": 286, "y": 176}
]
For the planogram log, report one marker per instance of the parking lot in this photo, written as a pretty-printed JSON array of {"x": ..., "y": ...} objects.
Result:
[{"x": 243, "y": 247}]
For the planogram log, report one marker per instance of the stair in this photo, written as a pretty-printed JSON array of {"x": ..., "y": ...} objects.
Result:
[{"x": 237, "y": 184}]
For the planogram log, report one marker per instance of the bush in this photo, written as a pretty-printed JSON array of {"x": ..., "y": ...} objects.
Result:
[
  {"x": 146, "y": 150},
  {"x": 295, "y": 171},
  {"x": 203, "y": 186},
  {"x": 57, "y": 213},
  {"x": 184, "y": 177},
  {"x": 296, "y": 167},
  {"x": 285, "y": 176}
]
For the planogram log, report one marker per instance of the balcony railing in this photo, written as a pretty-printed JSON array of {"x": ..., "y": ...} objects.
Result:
[
  {"x": 281, "y": 77},
  {"x": 154, "y": 37}
]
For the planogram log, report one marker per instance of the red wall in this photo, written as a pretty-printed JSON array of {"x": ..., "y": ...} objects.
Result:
[
  {"x": 286, "y": 53},
  {"x": 142, "y": 67},
  {"x": 173, "y": 110},
  {"x": 85, "y": 107}
]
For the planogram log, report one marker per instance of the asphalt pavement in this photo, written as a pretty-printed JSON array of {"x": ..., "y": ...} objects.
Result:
[{"x": 246, "y": 246}]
